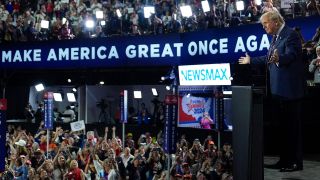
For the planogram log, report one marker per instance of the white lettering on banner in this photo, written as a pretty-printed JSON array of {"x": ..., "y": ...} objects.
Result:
[
  {"x": 83, "y": 53},
  {"x": 153, "y": 50},
  {"x": 21, "y": 56},
  {"x": 251, "y": 44},
  {"x": 202, "y": 47}
]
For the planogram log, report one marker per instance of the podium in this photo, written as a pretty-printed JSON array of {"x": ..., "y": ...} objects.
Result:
[{"x": 247, "y": 135}]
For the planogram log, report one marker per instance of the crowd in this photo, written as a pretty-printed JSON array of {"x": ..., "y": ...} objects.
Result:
[
  {"x": 21, "y": 19},
  {"x": 86, "y": 155}
]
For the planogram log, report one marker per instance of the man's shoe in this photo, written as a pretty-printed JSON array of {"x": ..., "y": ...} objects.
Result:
[
  {"x": 292, "y": 168},
  {"x": 277, "y": 165}
]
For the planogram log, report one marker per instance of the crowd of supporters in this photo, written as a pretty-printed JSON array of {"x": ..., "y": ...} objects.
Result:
[
  {"x": 21, "y": 19},
  {"x": 80, "y": 155}
]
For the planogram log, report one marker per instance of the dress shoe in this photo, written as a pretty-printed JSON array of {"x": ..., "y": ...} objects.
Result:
[
  {"x": 277, "y": 165},
  {"x": 292, "y": 168}
]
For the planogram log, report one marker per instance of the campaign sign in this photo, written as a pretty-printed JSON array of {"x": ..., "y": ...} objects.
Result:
[
  {"x": 192, "y": 108},
  {"x": 170, "y": 123},
  {"x": 206, "y": 74},
  {"x": 124, "y": 106},
  {"x": 48, "y": 110},
  {"x": 2, "y": 139},
  {"x": 77, "y": 126}
]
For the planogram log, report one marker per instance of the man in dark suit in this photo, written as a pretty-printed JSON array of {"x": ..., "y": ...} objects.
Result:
[{"x": 286, "y": 79}]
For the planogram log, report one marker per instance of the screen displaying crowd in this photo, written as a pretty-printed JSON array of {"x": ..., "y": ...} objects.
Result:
[
  {"x": 68, "y": 19},
  {"x": 86, "y": 155}
]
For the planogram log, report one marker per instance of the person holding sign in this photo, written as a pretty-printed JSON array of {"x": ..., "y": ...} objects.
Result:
[
  {"x": 285, "y": 66},
  {"x": 206, "y": 121}
]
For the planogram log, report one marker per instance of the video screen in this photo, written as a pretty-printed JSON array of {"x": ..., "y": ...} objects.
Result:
[
  {"x": 197, "y": 111},
  {"x": 227, "y": 114}
]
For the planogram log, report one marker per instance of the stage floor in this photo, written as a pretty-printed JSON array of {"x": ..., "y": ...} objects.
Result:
[{"x": 311, "y": 170}]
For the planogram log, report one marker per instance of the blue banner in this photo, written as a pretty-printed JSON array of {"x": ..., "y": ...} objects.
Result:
[
  {"x": 124, "y": 106},
  {"x": 171, "y": 109},
  {"x": 48, "y": 110},
  {"x": 3, "y": 131},
  {"x": 221, "y": 45}
]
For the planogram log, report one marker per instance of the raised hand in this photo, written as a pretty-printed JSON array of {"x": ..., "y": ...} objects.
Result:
[{"x": 244, "y": 59}]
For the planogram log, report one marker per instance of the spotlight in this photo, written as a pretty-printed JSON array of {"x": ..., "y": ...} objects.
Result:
[
  {"x": 240, "y": 5},
  {"x": 148, "y": 11},
  {"x": 99, "y": 14},
  {"x": 39, "y": 87},
  {"x": 137, "y": 94},
  {"x": 205, "y": 6},
  {"x": 69, "y": 80},
  {"x": 71, "y": 97},
  {"x": 103, "y": 23},
  {"x": 101, "y": 82},
  {"x": 168, "y": 88},
  {"x": 154, "y": 91},
  {"x": 163, "y": 78},
  {"x": 74, "y": 89},
  {"x": 90, "y": 23},
  {"x": 118, "y": 13},
  {"x": 186, "y": 11},
  {"x": 44, "y": 24},
  {"x": 258, "y": 2},
  {"x": 57, "y": 97}
]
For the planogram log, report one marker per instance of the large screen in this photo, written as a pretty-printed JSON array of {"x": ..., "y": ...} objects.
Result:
[{"x": 197, "y": 111}]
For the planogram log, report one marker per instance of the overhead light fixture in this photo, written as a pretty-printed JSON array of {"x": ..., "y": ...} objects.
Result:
[
  {"x": 205, "y": 6},
  {"x": 99, "y": 14},
  {"x": 148, "y": 11},
  {"x": 154, "y": 91},
  {"x": 101, "y": 82},
  {"x": 44, "y": 24},
  {"x": 57, "y": 97},
  {"x": 186, "y": 11},
  {"x": 90, "y": 23},
  {"x": 39, "y": 87},
  {"x": 137, "y": 94},
  {"x": 118, "y": 13},
  {"x": 71, "y": 97},
  {"x": 69, "y": 80},
  {"x": 258, "y": 2},
  {"x": 168, "y": 88},
  {"x": 74, "y": 89},
  {"x": 240, "y": 5}
]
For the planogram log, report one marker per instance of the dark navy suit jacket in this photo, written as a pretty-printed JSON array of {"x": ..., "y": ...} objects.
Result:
[{"x": 287, "y": 80}]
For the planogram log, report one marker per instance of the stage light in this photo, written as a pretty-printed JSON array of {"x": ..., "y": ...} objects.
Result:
[
  {"x": 69, "y": 80},
  {"x": 240, "y": 5},
  {"x": 154, "y": 91},
  {"x": 74, "y": 89},
  {"x": 71, "y": 97},
  {"x": 148, "y": 11},
  {"x": 101, "y": 82},
  {"x": 118, "y": 13},
  {"x": 227, "y": 92},
  {"x": 90, "y": 23},
  {"x": 44, "y": 24},
  {"x": 39, "y": 87},
  {"x": 258, "y": 2},
  {"x": 57, "y": 97},
  {"x": 137, "y": 94},
  {"x": 186, "y": 11},
  {"x": 103, "y": 23},
  {"x": 168, "y": 88},
  {"x": 205, "y": 6},
  {"x": 99, "y": 14}
]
